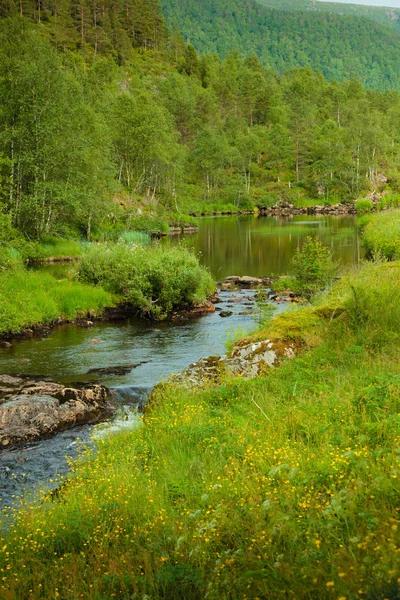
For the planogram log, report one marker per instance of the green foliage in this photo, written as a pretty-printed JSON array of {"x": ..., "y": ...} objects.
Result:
[
  {"x": 313, "y": 267},
  {"x": 135, "y": 238},
  {"x": 338, "y": 46},
  {"x": 381, "y": 235},
  {"x": 389, "y": 201},
  {"x": 388, "y": 17},
  {"x": 154, "y": 280},
  {"x": 283, "y": 486},
  {"x": 28, "y": 298},
  {"x": 152, "y": 225},
  {"x": 363, "y": 205}
]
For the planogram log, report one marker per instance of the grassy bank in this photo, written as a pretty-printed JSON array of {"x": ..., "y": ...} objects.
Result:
[
  {"x": 381, "y": 234},
  {"x": 153, "y": 279},
  {"x": 28, "y": 299},
  {"x": 281, "y": 487}
]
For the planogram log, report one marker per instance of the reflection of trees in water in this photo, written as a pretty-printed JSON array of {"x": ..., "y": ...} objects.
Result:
[{"x": 265, "y": 245}]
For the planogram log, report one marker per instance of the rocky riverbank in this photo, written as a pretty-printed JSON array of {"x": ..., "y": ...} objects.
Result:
[
  {"x": 283, "y": 209},
  {"x": 33, "y": 409},
  {"x": 247, "y": 360}
]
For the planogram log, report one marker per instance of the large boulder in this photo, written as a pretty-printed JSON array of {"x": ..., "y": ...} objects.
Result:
[
  {"x": 247, "y": 360},
  {"x": 31, "y": 410}
]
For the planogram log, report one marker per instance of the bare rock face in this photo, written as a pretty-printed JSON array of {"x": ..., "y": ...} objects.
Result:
[
  {"x": 31, "y": 410},
  {"x": 246, "y": 360}
]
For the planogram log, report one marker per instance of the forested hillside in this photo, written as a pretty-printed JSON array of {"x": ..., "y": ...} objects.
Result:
[
  {"x": 93, "y": 141},
  {"x": 95, "y": 27},
  {"x": 390, "y": 17},
  {"x": 339, "y": 46}
]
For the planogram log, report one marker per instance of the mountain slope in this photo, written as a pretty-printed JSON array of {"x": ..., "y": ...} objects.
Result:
[
  {"x": 389, "y": 17},
  {"x": 339, "y": 46}
]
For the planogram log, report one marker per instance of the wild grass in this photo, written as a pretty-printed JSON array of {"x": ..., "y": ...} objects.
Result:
[
  {"x": 28, "y": 298},
  {"x": 281, "y": 487},
  {"x": 155, "y": 280},
  {"x": 381, "y": 235}
]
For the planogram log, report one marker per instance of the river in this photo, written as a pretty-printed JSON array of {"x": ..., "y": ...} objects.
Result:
[{"x": 227, "y": 246}]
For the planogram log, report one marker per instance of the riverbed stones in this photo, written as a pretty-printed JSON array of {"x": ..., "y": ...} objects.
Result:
[
  {"x": 244, "y": 282},
  {"x": 32, "y": 410}
]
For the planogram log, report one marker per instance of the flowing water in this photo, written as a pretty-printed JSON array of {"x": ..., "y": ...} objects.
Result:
[{"x": 153, "y": 350}]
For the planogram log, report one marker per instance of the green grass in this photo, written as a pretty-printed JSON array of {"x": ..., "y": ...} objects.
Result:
[
  {"x": 281, "y": 487},
  {"x": 381, "y": 235},
  {"x": 28, "y": 298}
]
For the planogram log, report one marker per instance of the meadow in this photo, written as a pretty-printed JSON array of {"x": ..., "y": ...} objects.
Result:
[{"x": 285, "y": 486}]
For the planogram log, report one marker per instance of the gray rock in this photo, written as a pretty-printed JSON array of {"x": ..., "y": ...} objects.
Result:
[
  {"x": 246, "y": 360},
  {"x": 31, "y": 410}
]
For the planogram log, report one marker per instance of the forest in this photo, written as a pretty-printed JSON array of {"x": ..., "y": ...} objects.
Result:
[
  {"x": 94, "y": 141},
  {"x": 340, "y": 46},
  {"x": 389, "y": 17}
]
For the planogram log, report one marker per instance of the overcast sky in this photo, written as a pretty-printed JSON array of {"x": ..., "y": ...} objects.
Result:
[{"x": 394, "y": 3}]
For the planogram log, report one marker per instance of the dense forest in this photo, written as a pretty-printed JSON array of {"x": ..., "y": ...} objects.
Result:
[
  {"x": 390, "y": 17},
  {"x": 170, "y": 133},
  {"x": 339, "y": 46}
]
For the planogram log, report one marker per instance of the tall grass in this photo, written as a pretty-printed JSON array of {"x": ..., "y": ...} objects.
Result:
[
  {"x": 281, "y": 487},
  {"x": 28, "y": 298},
  {"x": 381, "y": 234}
]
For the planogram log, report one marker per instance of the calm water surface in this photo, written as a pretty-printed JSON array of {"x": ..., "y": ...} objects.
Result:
[
  {"x": 248, "y": 245},
  {"x": 228, "y": 246}
]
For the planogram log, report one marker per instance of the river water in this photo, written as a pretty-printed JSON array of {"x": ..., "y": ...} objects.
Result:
[{"x": 227, "y": 246}]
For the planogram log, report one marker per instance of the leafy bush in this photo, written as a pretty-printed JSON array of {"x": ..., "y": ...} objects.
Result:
[
  {"x": 382, "y": 234},
  {"x": 363, "y": 205},
  {"x": 153, "y": 279},
  {"x": 313, "y": 267},
  {"x": 178, "y": 220},
  {"x": 389, "y": 201},
  {"x": 152, "y": 225}
]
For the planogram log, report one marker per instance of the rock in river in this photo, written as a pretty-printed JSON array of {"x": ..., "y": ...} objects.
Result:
[{"x": 31, "y": 410}]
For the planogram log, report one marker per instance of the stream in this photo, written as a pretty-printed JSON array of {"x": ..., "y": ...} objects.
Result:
[{"x": 153, "y": 350}]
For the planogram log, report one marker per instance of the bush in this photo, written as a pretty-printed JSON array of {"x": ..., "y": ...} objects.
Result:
[
  {"x": 152, "y": 225},
  {"x": 313, "y": 267},
  {"x": 382, "y": 234},
  {"x": 363, "y": 205},
  {"x": 155, "y": 280},
  {"x": 178, "y": 220},
  {"x": 389, "y": 201}
]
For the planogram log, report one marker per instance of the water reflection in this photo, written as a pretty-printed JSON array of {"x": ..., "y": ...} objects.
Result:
[{"x": 249, "y": 245}]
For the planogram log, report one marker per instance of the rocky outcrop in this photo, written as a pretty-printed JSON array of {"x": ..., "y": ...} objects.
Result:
[
  {"x": 240, "y": 282},
  {"x": 283, "y": 209},
  {"x": 247, "y": 360},
  {"x": 32, "y": 410}
]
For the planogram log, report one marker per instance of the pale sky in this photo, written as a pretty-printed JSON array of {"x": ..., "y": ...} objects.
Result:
[{"x": 393, "y": 3}]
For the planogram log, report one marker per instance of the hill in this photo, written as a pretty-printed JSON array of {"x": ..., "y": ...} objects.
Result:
[
  {"x": 339, "y": 46},
  {"x": 390, "y": 17}
]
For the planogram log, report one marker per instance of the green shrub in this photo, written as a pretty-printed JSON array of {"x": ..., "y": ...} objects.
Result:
[
  {"x": 313, "y": 267},
  {"x": 381, "y": 234},
  {"x": 363, "y": 205},
  {"x": 179, "y": 220},
  {"x": 155, "y": 280},
  {"x": 389, "y": 201},
  {"x": 152, "y": 225}
]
